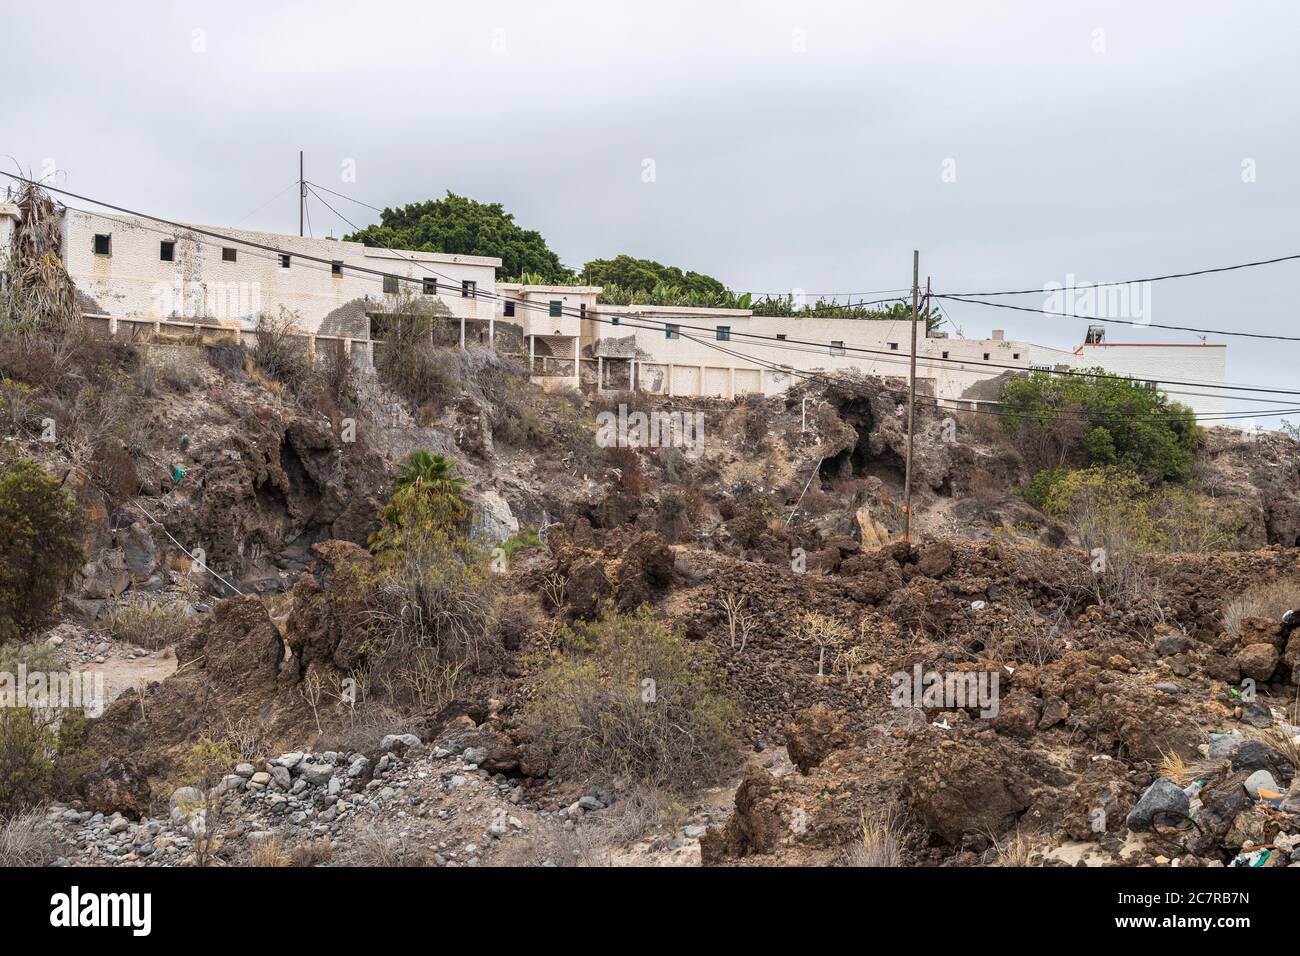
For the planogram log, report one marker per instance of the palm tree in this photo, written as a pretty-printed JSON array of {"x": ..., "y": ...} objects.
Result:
[{"x": 433, "y": 477}]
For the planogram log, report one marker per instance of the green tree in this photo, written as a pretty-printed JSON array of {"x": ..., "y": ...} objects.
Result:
[
  {"x": 461, "y": 226},
  {"x": 427, "y": 497},
  {"x": 39, "y": 547},
  {"x": 1083, "y": 420},
  {"x": 642, "y": 275}
]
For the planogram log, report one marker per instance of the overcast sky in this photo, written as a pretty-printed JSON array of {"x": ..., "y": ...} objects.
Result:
[{"x": 776, "y": 146}]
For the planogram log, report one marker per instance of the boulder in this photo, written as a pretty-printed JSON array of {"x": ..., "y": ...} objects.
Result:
[{"x": 1164, "y": 804}]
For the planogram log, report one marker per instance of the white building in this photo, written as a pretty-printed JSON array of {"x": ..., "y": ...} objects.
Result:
[{"x": 142, "y": 275}]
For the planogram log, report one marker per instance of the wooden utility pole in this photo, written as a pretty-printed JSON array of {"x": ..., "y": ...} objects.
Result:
[
  {"x": 911, "y": 395},
  {"x": 302, "y": 193}
]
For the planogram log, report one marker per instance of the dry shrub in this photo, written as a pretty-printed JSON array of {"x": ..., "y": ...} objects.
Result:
[
  {"x": 440, "y": 594},
  {"x": 595, "y": 838},
  {"x": 283, "y": 352},
  {"x": 373, "y": 847},
  {"x": 627, "y": 697},
  {"x": 25, "y": 840},
  {"x": 146, "y": 623},
  {"x": 1023, "y": 635},
  {"x": 1270, "y": 599}
]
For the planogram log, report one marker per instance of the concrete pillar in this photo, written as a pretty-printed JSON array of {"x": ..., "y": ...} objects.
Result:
[
  {"x": 532, "y": 352},
  {"x": 600, "y": 372},
  {"x": 370, "y": 354},
  {"x": 731, "y": 382},
  {"x": 462, "y": 333},
  {"x": 631, "y": 377},
  {"x": 577, "y": 375},
  {"x": 492, "y": 330},
  {"x": 670, "y": 380}
]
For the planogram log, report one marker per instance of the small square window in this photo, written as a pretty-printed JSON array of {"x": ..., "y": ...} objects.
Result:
[
  {"x": 227, "y": 254},
  {"x": 582, "y": 310},
  {"x": 837, "y": 348},
  {"x": 780, "y": 336},
  {"x": 1015, "y": 355},
  {"x": 614, "y": 320},
  {"x": 672, "y": 331},
  {"x": 103, "y": 244},
  {"x": 724, "y": 333},
  {"x": 510, "y": 310},
  {"x": 390, "y": 285},
  {"x": 284, "y": 261},
  {"x": 167, "y": 251},
  {"x": 336, "y": 269},
  {"x": 429, "y": 287},
  {"x": 893, "y": 346},
  {"x": 468, "y": 289},
  {"x": 945, "y": 354},
  {"x": 557, "y": 308},
  {"x": 986, "y": 356}
]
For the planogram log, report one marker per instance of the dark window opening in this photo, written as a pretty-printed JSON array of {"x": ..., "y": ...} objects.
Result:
[
  {"x": 837, "y": 348},
  {"x": 1015, "y": 355},
  {"x": 468, "y": 289},
  {"x": 780, "y": 336},
  {"x": 167, "y": 251},
  {"x": 945, "y": 354},
  {"x": 986, "y": 356},
  {"x": 390, "y": 285},
  {"x": 672, "y": 332},
  {"x": 284, "y": 261},
  {"x": 893, "y": 346},
  {"x": 724, "y": 333},
  {"x": 103, "y": 244},
  {"x": 510, "y": 310},
  {"x": 227, "y": 254},
  {"x": 557, "y": 308},
  {"x": 430, "y": 287},
  {"x": 582, "y": 310},
  {"x": 336, "y": 269}
]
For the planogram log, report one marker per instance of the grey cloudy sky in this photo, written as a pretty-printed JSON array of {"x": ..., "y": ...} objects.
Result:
[{"x": 795, "y": 145}]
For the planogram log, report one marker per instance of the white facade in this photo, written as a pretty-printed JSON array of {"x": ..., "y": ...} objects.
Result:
[
  {"x": 730, "y": 352},
  {"x": 139, "y": 271},
  {"x": 135, "y": 270}
]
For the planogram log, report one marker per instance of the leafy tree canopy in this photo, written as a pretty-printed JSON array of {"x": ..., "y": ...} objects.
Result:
[
  {"x": 643, "y": 275},
  {"x": 461, "y": 226},
  {"x": 1098, "y": 419}
]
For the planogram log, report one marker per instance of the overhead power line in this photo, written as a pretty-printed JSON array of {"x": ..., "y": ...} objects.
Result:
[
  {"x": 1160, "y": 278},
  {"x": 1136, "y": 323}
]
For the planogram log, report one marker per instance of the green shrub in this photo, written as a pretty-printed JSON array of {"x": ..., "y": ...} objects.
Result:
[
  {"x": 39, "y": 549},
  {"x": 428, "y": 497},
  {"x": 626, "y": 697},
  {"x": 26, "y": 763},
  {"x": 1086, "y": 420}
]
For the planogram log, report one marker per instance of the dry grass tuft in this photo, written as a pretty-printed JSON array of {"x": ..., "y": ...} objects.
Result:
[
  {"x": 1174, "y": 767},
  {"x": 25, "y": 841},
  {"x": 881, "y": 843},
  {"x": 1271, "y": 600}
]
